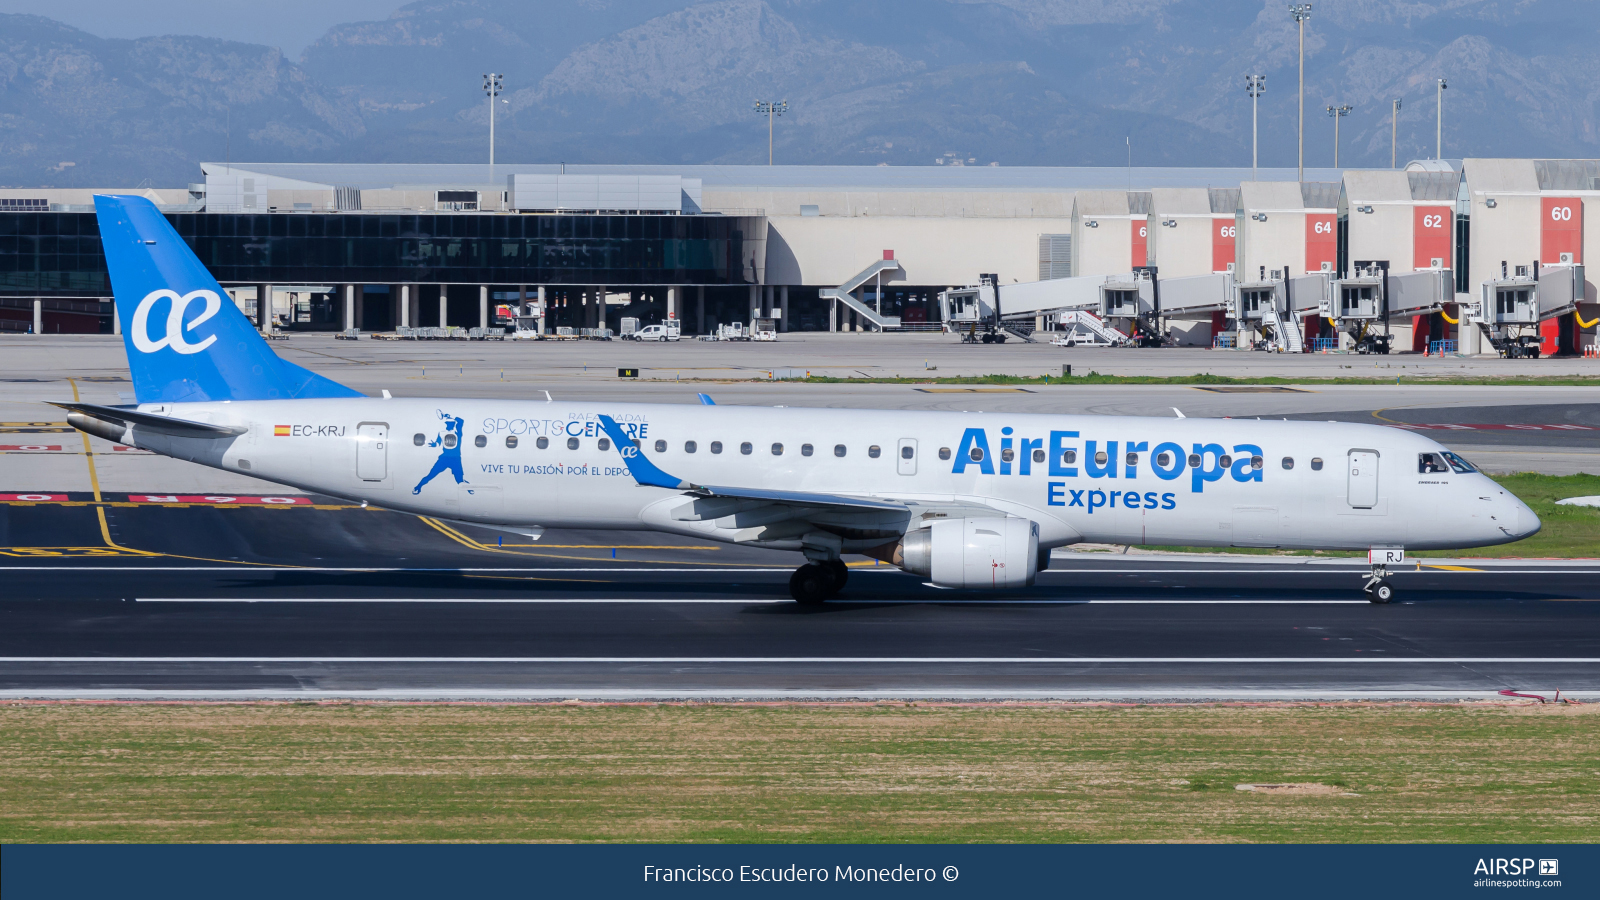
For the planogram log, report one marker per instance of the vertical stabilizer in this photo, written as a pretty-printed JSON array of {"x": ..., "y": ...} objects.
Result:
[{"x": 185, "y": 340}]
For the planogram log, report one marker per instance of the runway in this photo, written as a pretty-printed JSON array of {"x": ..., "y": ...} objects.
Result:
[{"x": 328, "y": 600}]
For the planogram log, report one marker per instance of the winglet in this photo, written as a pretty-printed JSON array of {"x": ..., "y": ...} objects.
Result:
[
  {"x": 705, "y": 400},
  {"x": 642, "y": 469}
]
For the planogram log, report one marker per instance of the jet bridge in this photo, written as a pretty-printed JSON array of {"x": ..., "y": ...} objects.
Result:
[
  {"x": 965, "y": 310},
  {"x": 1355, "y": 307},
  {"x": 1511, "y": 307}
]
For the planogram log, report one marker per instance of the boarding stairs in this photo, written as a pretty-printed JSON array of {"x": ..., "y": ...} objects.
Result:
[
  {"x": 1082, "y": 319},
  {"x": 1286, "y": 338},
  {"x": 843, "y": 295}
]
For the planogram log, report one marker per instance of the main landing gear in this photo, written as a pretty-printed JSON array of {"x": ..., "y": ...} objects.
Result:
[
  {"x": 813, "y": 583},
  {"x": 1378, "y": 588}
]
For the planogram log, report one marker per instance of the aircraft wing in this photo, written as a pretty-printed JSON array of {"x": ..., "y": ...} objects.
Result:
[{"x": 649, "y": 474}]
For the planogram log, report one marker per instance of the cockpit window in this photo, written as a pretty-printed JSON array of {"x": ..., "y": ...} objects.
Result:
[
  {"x": 1458, "y": 464},
  {"x": 1431, "y": 464}
]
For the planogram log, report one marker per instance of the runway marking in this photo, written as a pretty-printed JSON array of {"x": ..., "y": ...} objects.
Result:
[
  {"x": 1449, "y": 568},
  {"x": 855, "y": 660}
]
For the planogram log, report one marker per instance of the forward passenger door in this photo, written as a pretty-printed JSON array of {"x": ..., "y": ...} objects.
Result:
[
  {"x": 1362, "y": 490},
  {"x": 372, "y": 451}
]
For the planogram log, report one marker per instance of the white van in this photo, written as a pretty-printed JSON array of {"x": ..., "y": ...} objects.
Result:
[{"x": 669, "y": 331}]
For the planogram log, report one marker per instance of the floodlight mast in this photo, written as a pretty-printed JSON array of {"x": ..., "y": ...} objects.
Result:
[
  {"x": 1394, "y": 131},
  {"x": 773, "y": 109},
  {"x": 491, "y": 86},
  {"x": 1337, "y": 112},
  {"x": 1438, "y": 147},
  {"x": 1302, "y": 12},
  {"x": 1255, "y": 86}
]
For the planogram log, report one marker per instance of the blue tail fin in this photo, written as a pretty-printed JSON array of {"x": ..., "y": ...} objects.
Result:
[{"x": 185, "y": 340}]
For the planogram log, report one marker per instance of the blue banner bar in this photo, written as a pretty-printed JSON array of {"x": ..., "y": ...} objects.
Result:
[{"x": 311, "y": 872}]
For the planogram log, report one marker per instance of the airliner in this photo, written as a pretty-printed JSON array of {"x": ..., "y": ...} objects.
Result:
[{"x": 963, "y": 500}]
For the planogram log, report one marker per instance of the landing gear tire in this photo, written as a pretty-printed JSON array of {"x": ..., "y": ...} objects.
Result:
[
  {"x": 1380, "y": 592},
  {"x": 811, "y": 584},
  {"x": 841, "y": 574}
]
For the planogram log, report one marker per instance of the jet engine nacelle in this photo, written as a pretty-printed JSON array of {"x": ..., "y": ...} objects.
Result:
[{"x": 983, "y": 554}]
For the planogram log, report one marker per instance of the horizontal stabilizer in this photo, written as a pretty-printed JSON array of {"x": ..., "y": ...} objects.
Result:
[{"x": 151, "y": 421}]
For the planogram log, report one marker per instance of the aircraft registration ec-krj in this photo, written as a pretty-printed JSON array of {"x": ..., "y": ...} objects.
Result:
[{"x": 964, "y": 500}]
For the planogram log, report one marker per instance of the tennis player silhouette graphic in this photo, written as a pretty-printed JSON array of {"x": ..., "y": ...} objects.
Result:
[{"x": 449, "y": 444}]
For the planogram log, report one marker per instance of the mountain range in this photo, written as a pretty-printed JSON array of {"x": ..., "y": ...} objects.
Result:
[{"x": 868, "y": 82}]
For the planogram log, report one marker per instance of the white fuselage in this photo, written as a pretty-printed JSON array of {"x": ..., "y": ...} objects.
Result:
[{"x": 1363, "y": 489}]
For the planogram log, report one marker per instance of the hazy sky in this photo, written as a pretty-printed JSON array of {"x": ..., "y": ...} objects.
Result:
[{"x": 287, "y": 24}]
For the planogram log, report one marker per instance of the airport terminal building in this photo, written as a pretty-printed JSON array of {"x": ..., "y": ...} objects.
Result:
[{"x": 377, "y": 247}]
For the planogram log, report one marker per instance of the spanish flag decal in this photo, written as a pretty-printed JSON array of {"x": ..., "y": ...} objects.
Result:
[{"x": 280, "y": 431}]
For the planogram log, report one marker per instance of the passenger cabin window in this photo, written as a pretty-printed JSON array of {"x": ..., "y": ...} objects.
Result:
[
  {"x": 976, "y": 454},
  {"x": 1131, "y": 459},
  {"x": 542, "y": 443},
  {"x": 1288, "y": 462},
  {"x": 716, "y": 446},
  {"x": 944, "y": 452},
  {"x": 1100, "y": 458},
  {"x": 661, "y": 446},
  {"x": 689, "y": 447},
  {"x": 419, "y": 439},
  {"x": 805, "y": 449},
  {"x": 480, "y": 441},
  {"x": 572, "y": 443},
  {"x": 1194, "y": 460},
  {"x": 777, "y": 449},
  {"x": 511, "y": 442},
  {"x": 1225, "y": 461},
  {"x": 1038, "y": 456},
  {"x": 1257, "y": 462},
  {"x": 874, "y": 451},
  {"x": 450, "y": 442},
  {"x": 1068, "y": 457},
  {"x": 1163, "y": 459},
  {"x": 838, "y": 449},
  {"x": 906, "y": 452},
  {"x": 1006, "y": 455},
  {"x": 1316, "y": 464},
  {"x": 745, "y": 448},
  {"x": 605, "y": 443}
]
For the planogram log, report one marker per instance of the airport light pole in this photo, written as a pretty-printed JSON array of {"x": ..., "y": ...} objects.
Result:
[
  {"x": 1394, "y": 131},
  {"x": 1337, "y": 112},
  {"x": 491, "y": 86},
  {"x": 1302, "y": 12},
  {"x": 1438, "y": 147},
  {"x": 773, "y": 110},
  {"x": 1255, "y": 86}
]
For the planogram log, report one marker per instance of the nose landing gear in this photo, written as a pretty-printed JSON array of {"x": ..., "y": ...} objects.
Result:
[
  {"x": 1378, "y": 588},
  {"x": 813, "y": 583}
]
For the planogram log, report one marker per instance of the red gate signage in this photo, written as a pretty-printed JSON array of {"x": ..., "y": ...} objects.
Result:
[
  {"x": 1432, "y": 236},
  {"x": 1561, "y": 230},
  {"x": 1223, "y": 236},
  {"x": 1141, "y": 242},
  {"x": 1322, "y": 244}
]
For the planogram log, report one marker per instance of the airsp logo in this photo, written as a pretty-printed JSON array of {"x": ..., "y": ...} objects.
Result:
[{"x": 174, "y": 338}]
